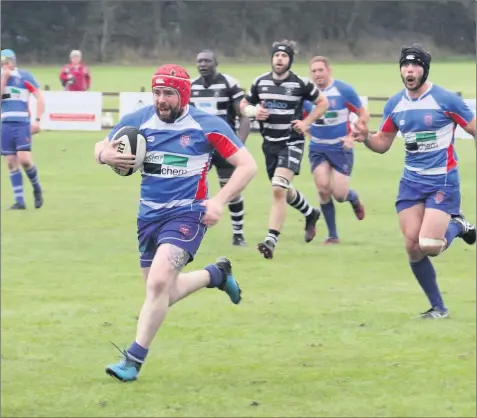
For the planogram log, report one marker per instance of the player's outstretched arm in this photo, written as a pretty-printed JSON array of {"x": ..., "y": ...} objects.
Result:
[
  {"x": 321, "y": 106},
  {"x": 226, "y": 143},
  {"x": 363, "y": 117},
  {"x": 40, "y": 107},
  {"x": 245, "y": 170},
  {"x": 469, "y": 128},
  {"x": 380, "y": 142}
]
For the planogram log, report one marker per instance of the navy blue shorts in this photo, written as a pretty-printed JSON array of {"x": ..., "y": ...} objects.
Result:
[
  {"x": 445, "y": 198},
  {"x": 16, "y": 136},
  {"x": 185, "y": 231},
  {"x": 340, "y": 160}
]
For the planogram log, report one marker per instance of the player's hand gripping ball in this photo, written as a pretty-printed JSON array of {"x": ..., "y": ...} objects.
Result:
[{"x": 130, "y": 141}]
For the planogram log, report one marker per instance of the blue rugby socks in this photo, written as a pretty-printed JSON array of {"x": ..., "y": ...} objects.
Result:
[
  {"x": 16, "y": 179},
  {"x": 352, "y": 196},
  {"x": 32, "y": 174},
  {"x": 453, "y": 230},
  {"x": 328, "y": 210},
  {"x": 216, "y": 275},
  {"x": 137, "y": 352},
  {"x": 426, "y": 276}
]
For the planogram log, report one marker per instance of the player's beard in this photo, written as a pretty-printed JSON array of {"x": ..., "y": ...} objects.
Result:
[
  {"x": 174, "y": 113},
  {"x": 279, "y": 71},
  {"x": 417, "y": 83}
]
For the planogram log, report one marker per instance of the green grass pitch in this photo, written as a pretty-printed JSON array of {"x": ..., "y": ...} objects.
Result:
[{"x": 321, "y": 331}]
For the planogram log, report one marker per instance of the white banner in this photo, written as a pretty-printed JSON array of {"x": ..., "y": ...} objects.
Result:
[
  {"x": 130, "y": 102},
  {"x": 70, "y": 111}
]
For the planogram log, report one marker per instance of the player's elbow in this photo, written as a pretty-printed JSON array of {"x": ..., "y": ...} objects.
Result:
[
  {"x": 243, "y": 104},
  {"x": 363, "y": 115},
  {"x": 40, "y": 98},
  {"x": 246, "y": 163},
  {"x": 244, "y": 119},
  {"x": 250, "y": 165},
  {"x": 470, "y": 128}
]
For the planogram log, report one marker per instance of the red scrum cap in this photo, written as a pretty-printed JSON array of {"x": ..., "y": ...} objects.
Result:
[{"x": 175, "y": 77}]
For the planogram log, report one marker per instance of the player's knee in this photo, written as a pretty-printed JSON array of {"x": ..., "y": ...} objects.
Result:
[
  {"x": 12, "y": 162},
  {"x": 413, "y": 249},
  {"x": 157, "y": 284},
  {"x": 280, "y": 186},
  {"x": 323, "y": 185},
  {"x": 339, "y": 196},
  {"x": 25, "y": 160},
  {"x": 325, "y": 196},
  {"x": 432, "y": 246}
]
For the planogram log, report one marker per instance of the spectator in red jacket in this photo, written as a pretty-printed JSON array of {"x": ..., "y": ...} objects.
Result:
[{"x": 75, "y": 75}]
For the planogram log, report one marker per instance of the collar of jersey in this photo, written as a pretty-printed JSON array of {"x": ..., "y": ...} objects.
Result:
[
  {"x": 421, "y": 96},
  {"x": 279, "y": 82},
  {"x": 211, "y": 80},
  {"x": 185, "y": 113},
  {"x": 329, "y": 87}
]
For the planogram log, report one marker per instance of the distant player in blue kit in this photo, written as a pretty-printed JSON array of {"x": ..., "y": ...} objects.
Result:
[
  {"x": 332, "y": 164},
  {"x": 428, "y": 201},
  {"x": 17, "y": 129},
  {"x": 175, "y": 209}
]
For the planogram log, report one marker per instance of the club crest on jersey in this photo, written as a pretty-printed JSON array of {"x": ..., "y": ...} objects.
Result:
[
  {"x": 428, "y": 120},
  {"x": 288, "y": 91},
  {"x": 217, "y": 93},
  {"x": 439, "y": 198},
  {"x": 184, "y": 140},
  {"x": 185, "y": 230}
]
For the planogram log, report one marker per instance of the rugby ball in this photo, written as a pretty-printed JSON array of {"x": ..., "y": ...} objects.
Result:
[{"x": 131, "y": 142}]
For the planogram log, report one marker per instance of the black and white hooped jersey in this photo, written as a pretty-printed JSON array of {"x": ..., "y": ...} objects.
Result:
[
  {"x": 217, "y": 98},
  {"x": 284, "y": 101}
]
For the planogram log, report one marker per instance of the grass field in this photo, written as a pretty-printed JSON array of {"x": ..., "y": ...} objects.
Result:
[{"x": 322, "y": 331}]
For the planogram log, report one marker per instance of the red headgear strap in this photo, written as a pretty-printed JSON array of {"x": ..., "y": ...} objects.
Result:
[{"x": 175, "y": 77}]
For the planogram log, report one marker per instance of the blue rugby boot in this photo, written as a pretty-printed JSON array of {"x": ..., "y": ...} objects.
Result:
[
  {"x": 127, "y": 370},
  {"x": 229, "y": 284}
]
